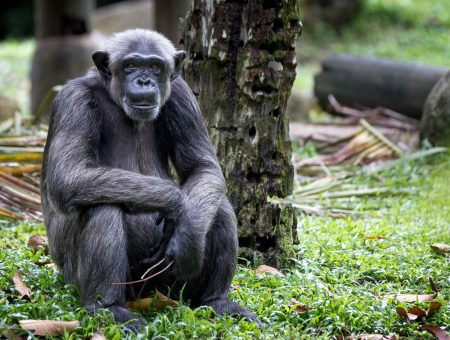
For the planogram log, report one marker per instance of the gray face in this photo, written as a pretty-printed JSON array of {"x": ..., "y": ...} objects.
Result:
[
  {"x": 145, "y": 78},
  {"x": 139, "y": 82}
]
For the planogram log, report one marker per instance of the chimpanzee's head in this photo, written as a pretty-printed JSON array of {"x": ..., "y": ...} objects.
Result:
[{"x": 137, "y": 67}]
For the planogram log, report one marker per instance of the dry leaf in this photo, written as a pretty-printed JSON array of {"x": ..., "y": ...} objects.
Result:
[
  {"x": 415, "y": 310},
  {"x": 434, "y": 307},
  {"x": 440, "y": 248},
  {"x": 38, "y": 241},
  {"x": 140, "y": 305},
  {"x": 262, "y": 269},
  {"x": 49, "y": 327},
  {"x": 403, "y": 313},
  {"x": 98, "y": 336},
  {"x": 439, "y": 332},
  {"x": 162, "y": 301},
  {"x": 415, "y": 297},
  {"x": 414, "y": 313},
  {"x": 371, "y": 337},
  {"x": 21, "y": 287},
  {"x": 433, "y": 286},
  {"x": 374, "y": 237},
  {"x": 299, "y": 307}
]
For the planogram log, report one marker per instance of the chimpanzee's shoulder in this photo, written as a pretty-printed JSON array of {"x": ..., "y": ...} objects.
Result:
[{"x": 90, "y": 83}]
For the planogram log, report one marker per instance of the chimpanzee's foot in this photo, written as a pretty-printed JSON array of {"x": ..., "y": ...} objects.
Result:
[
  {"x": 224, "y": 306},
  {"x": 130, "y": 320}
]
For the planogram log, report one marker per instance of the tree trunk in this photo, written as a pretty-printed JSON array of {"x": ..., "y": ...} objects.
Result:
[
  {"x": 167, "y": 17},
  {"x": 371, "y": 82},
  {"x": 64, "y": 45},
  {"x": 241, "y": 65},
  {"x": 435, "y": 124}
]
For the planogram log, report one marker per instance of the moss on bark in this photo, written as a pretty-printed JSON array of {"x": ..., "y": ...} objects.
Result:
[{"x": 241, "y": 65}]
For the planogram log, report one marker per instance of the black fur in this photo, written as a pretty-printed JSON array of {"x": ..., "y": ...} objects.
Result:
[{"x": 106, "y": 183}]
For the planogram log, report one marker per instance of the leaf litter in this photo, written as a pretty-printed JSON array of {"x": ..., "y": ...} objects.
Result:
[
  {"x": 325, "y": 184},
  {"x": 21, "y": 287}
]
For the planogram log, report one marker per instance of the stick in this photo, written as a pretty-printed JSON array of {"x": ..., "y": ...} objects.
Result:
[{"x": 146, "y": 279}]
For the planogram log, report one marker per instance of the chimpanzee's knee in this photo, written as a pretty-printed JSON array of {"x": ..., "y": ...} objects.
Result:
[{"x": 220, "y": 258}]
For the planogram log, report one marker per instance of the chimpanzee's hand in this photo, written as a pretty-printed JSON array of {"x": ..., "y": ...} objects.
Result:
[{"x": 185, "y": 250}]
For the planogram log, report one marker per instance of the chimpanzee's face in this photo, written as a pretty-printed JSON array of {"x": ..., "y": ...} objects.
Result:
[
  {"x": 139, "y": 81},
  {"x": 145, "y": 80}
]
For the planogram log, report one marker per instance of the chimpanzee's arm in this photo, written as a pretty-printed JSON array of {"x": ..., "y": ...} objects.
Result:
[
  {"x": 72, "y": 176},
  {"x": 193, "y": 156}
]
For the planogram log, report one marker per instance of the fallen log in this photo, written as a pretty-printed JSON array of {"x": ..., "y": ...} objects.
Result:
[{"x": 372, "y": 82}]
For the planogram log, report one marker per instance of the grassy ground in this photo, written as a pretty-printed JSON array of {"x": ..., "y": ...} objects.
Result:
[{"x": 338, "y": 275}]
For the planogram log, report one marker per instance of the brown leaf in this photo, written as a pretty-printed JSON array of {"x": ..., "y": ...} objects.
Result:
[
  {"x": 21, "y": 287},
  {"x": 162, "y": 301},
  {"x": 374, "y": 237},
  {"x": 298, "y": 307},
  {"x": 49, "y": 327},
  {"x": 415, "y": 297},
  {"x": 433, "y": 286},
  {"x": 262, "y": 269},
  {"x": 415, "y": 310},
  {"x": 439, "y": 332},
  {"x": 440, "y": 248},
  {"x": 371, "y": 337},
  {"x": 434, "y": 307},
  {"x": 38, "y": 241},
  {"x": 415, "y": 313},
  {"x": 140, "y": 305},
  {"x": 98, "y": 336}
]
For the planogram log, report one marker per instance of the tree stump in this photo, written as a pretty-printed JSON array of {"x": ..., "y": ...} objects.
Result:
[
  {"x": 241, "y": 66},
  {"x": 435, "y": 124}
]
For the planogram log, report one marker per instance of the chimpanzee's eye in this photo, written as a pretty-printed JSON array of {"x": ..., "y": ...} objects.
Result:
[
  {"x": 130, "y": 66},
  {"x": 155, "y": 68}
]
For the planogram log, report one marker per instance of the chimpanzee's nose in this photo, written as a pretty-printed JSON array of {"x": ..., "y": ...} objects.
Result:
[{"x": 143, "y": 82}]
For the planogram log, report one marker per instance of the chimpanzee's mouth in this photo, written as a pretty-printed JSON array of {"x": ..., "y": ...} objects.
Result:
[{"x": 143, "y": 107}]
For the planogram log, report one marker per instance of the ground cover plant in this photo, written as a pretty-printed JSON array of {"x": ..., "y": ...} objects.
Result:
[
  {"x": 346, "y": 272},
  {"x": 343, "y": 279}
]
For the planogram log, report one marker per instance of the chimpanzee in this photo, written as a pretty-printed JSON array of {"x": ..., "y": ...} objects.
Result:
[{"x": 112, "y": 205}]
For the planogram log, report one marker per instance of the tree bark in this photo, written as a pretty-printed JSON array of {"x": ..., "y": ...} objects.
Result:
[
  {"x": 435, "y": 124},
  {"x": 241, "y": 65},
  {"x": 167, "y": 17}
]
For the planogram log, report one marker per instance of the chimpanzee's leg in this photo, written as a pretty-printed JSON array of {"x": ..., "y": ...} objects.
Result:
[
  {"x": 102, "y": 261},
  {"x": 219, "y": 267}
]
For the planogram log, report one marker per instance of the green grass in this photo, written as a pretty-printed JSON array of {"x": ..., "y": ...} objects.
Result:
[{"x": 337, "y": 274}]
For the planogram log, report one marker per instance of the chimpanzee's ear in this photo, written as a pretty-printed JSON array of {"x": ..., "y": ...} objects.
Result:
[
  {"x": 101, "y": 60},
  {"x": 178, "y": 59}
]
